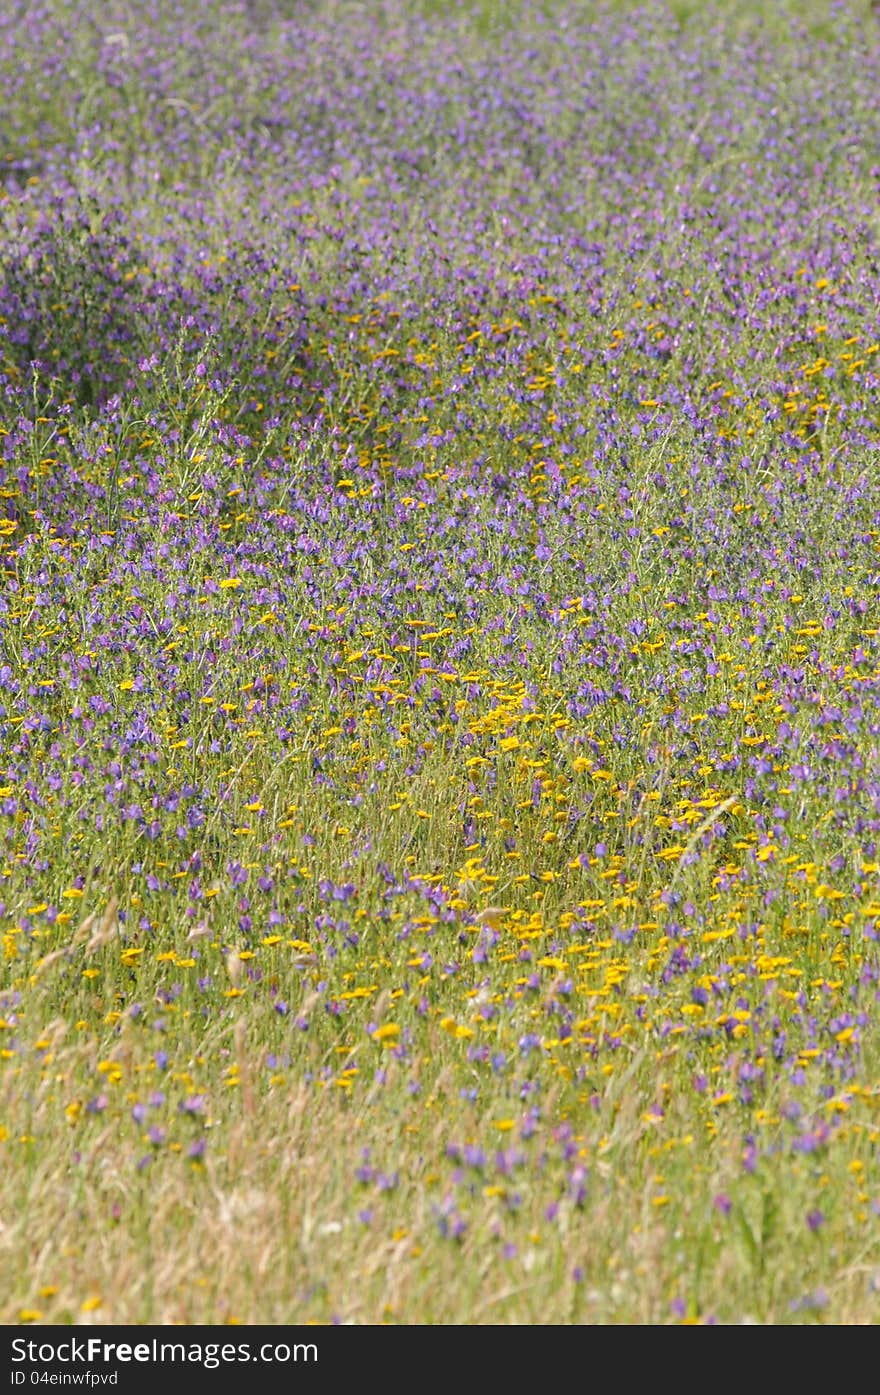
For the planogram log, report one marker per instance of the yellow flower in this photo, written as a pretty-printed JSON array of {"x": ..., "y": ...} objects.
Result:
[{"x": 389, "y": 1029}]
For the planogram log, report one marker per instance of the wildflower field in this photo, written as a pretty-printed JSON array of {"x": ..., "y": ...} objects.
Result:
[{"x": 439, "y": 662}]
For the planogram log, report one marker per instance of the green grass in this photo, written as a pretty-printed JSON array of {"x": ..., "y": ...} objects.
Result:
[{"x": 438, "y": 783}]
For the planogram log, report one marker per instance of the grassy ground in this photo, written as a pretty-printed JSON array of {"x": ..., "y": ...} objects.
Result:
[{"x": 439, "y": 742}]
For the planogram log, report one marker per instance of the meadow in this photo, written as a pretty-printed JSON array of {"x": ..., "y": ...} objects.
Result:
[{"x": 439, "y": 662}]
